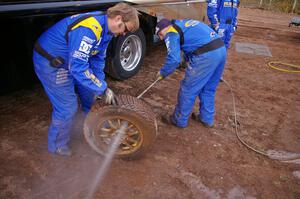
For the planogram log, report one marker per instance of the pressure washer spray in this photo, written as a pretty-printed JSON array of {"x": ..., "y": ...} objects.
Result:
[{"x": 115, "y": 142}]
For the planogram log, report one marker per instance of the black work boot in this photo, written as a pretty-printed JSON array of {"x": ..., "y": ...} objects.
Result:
[
  {"x": 167, "y": 119},
  {"x": 195, "y": 116}
]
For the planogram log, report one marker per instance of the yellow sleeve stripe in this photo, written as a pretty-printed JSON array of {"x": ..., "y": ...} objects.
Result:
[
  {"x": 172, "y": 29},
  {"x": 92, "y": 24},
  {"x": 92, "y": 77}
]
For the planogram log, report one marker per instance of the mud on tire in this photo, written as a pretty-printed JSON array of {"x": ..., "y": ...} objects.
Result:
[{"x": 103, "y": 120}]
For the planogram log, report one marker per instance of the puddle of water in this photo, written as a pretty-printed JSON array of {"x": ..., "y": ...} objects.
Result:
[
  {"x": 197, "y": 187},
  {"x": 238, "y": 192},
  {"x": 297, "y": 174},
  {"x": 296, "y": 161},
  {"x": 282, "y": 155}
]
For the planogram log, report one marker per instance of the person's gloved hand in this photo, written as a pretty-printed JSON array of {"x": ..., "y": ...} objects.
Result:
[
  {"x": 234, "y": 28},
  {"x": 216, "y": 26},
  {"x": 159, "y": 76},
  {"x": 109, "y": 97}
]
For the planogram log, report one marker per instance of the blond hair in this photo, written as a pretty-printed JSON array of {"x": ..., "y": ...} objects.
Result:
[{"x": 127, "y": 12}]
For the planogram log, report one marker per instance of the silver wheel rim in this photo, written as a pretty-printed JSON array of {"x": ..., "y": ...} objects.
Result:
[{"x": 131, "y": 52}]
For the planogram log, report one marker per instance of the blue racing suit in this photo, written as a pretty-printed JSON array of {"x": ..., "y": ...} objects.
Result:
[
  {"x": 82, "y": 46},
  {"x": 222, "y": 14},
  {"x": 202, "y": 74}
]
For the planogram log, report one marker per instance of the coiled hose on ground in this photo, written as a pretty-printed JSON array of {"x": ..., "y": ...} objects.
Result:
[
  {"x": 274, "y": 65},
  {"x": 269, "y": 153}
]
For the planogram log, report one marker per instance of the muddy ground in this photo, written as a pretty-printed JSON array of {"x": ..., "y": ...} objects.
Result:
[{"x": 194, "y": 162}]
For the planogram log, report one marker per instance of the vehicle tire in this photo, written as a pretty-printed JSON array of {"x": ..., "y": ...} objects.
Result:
[
  {"x": 102, "y": 122},
  {"x": 127, "y": 55}
]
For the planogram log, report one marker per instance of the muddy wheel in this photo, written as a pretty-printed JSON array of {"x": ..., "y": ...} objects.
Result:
[{"x": 103, "y": 121}]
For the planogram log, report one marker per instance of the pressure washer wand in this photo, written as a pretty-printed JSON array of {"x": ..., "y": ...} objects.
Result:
[{"x": 157, "y": 80}]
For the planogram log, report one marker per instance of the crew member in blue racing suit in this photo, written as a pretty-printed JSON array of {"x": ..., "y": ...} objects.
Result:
[
  {"x": 206, "y": 55},
  {"x": 222, "y": 15},
  {"x": 69, "y": 59}
]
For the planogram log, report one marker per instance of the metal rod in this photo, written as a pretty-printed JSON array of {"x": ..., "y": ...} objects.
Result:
[
  {"x": 294, "y": 6},
  {"x": 148, "y": 88},
  {"x": 270, "y": 4}
]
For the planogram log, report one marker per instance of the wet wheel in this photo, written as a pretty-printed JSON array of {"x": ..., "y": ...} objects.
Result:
[{"x": 103, "y": 122}]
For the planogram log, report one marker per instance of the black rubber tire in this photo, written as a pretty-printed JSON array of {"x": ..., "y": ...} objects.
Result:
[
  {"x": 114, "y": 67},
  {"x": 134, "y": 110}
]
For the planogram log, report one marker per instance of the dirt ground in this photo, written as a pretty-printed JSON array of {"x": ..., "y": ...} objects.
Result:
[{"x": 194, "y": 162}]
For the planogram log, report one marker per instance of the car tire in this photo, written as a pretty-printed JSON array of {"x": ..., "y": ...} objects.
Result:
[
  {"x": 102, "y": 123},
  {"x": 126, "y": 55}
]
